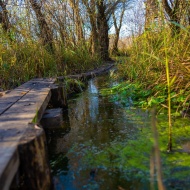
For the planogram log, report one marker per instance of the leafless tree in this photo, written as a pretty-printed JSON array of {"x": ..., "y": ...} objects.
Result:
[
  {"x": 4, "y": 18},
  {"x": 118, "y": 20},
  {"x": 176, "y": 12},
  {"x": 45, "y": 31},
  {"x": 151, "y": 14},
  {"x": 100, "y": 13}
]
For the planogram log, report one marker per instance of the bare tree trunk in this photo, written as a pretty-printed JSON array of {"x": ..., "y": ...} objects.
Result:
[
  {"x": 78, "y": 20},
  {"x": 45, "y": 32},
  {"x": 117, "y": 29},
  {"x": 91, "y": 10},
  {"x": 94, "y": 41},
  {"x": 102, "y": 24},
  {"x": 4, "y": 18},
  {"x": 188, "y": 15},
  {"x": 115, "y": 43},
  {"x": 151, "y": 13},
  {"x": 99, "y": 13},
  {"x": 174, "y": 14}
]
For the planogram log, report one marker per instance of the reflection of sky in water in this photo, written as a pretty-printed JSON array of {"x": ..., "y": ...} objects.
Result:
[
  {"x": 92, "y": 88},
  {"x": 93, "y": 101},
  {"x": 85, "y": 153},
  {"x": 95, "y": 122},
  {"x": 63, "y": 182}
]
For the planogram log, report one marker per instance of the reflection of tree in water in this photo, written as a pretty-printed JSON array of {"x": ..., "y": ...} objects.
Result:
[
  {"x": 59, "y": 161},
  {"x": 95, "y": 123},
  {"x": 57, "y": 147},
  {"x": 93, "y": 117},
  {"x": 93, "y": 102},
  {"x": 101, "y": 145},
  {"x": 96, "y": 114}
]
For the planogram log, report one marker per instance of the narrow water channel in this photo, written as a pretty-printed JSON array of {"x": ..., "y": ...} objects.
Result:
[{"x": 94, "y": 148}]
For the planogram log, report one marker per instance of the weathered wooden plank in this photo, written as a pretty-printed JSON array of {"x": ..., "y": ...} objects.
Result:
[
  {"x": 90, "y": 74},
  {"x": 15, "y": 95},
  {"x": 98, "y": 71},
  {"x": 28, "y": 106},
  {"x": 9, "y": 167},
  {"x": 107, "y": 66}
]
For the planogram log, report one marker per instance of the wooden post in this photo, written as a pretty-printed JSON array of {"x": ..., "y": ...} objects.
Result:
[
  {"x": 34, "y": 167},
  {"x": 58, "y": 97}
]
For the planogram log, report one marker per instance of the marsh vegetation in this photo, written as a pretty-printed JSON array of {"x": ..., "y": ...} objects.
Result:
[{"x": 58, "y": 38}]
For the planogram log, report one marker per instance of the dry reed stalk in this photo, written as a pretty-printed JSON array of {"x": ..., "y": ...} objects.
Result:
[{"x": 157, "y": 157}]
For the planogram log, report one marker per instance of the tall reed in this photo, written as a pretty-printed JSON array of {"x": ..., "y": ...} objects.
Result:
[
  {"x": 160, "y": 62},
  {"x": 21, "y": 61}
]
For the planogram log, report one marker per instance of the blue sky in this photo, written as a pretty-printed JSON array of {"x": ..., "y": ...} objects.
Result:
[{"x": 133, "y": 21}]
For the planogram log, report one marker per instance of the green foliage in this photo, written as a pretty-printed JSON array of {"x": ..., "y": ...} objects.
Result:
[
  {"x": 73, "y": 85},
  {"x": 129, "y": 93},
  {"x": 146, "y": 66},
  {"x": 76, "y": 59}
]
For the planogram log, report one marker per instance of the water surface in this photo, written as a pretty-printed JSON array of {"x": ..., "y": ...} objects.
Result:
[{"x": 104, "y": 145}]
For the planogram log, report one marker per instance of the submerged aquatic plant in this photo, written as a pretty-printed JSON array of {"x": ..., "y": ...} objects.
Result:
[{"x": 131, "y": 156}]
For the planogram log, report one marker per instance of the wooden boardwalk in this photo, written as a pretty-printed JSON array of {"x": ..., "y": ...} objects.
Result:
[
  {"x": 22, "y": 142},
  {"x": 91, "y": 74},
  {"x": 18, "y": 109}
]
